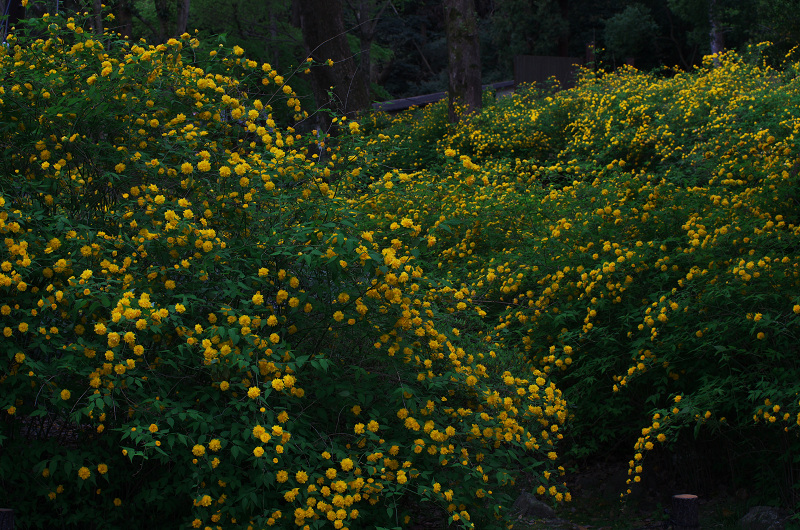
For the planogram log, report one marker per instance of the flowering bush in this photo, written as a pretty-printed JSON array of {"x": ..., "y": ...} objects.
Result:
[
  {"x": 206, "y": 324},
  {"x": 637, "y": 237},
  {"x": 198, "y": 328}
]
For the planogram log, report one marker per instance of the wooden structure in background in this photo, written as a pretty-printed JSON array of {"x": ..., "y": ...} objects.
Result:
[
  {"x": 527, "y": 69},
  {"x": 396, "y": 105}
]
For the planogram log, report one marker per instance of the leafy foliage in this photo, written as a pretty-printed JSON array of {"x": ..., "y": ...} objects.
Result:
[
  {"x": 630, "y": 32},
  {"x": 637, "y": 237},
  {"x": 199, "y": 330}
]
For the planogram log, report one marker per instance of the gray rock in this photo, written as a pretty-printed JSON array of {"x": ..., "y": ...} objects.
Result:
[
  {"x": 529, "y": 507},
  {"x": 764, "y": 518}
]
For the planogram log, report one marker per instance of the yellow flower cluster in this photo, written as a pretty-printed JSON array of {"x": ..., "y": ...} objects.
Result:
[{"x": 615, "y": 233}]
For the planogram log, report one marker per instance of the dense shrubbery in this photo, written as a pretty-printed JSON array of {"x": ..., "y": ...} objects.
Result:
[
  {"x": 198, "y": 330},
  {"x": 206, "y": 324},
  {"x": 637, "y": 237}
]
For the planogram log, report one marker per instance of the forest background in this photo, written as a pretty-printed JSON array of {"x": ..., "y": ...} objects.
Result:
[{"x": 400, "y": 46}]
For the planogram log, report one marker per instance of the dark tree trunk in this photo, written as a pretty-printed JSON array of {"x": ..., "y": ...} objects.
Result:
[
  {"x": 124, "y": 16},
  {"x": 367, "y": 16},
  {"x": 365, "y": 64},
  {"x": 162, "y": 14},
  {"x": 183, "y": 17},
  {"x": 97, "y": 16},
  {"x": 273, "y": 33},
  {"x": 716, "y": 35},
  {"x": 463, "y": 58},
  {"x": 322, "y": 24}
]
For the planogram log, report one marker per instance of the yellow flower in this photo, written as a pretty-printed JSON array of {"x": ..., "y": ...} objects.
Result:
[
  {"x": 153, "y": 428},
  {"x": 198, "y": 450},
  {"x": 253, "y": 392},
  {"x": 102, "y": 469},
  {"x": 65, "y": 394},
  {"x": 84, "y": 472},
  {"x": 290, "y": 497},
  {"x": 347, "y": 464},
  {"x": 258, "y": 452},
  {"x": 282, "y": 476}
]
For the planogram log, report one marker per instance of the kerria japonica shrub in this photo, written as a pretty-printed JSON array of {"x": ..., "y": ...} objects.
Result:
[
  {"x": 637, "y": 237},
  {"x": 196, "y": 332}
]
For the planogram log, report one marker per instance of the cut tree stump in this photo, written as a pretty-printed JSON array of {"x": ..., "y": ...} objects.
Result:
[
  {"x": 6, "y": 519},
  {"x": 684, "y": 514}
]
